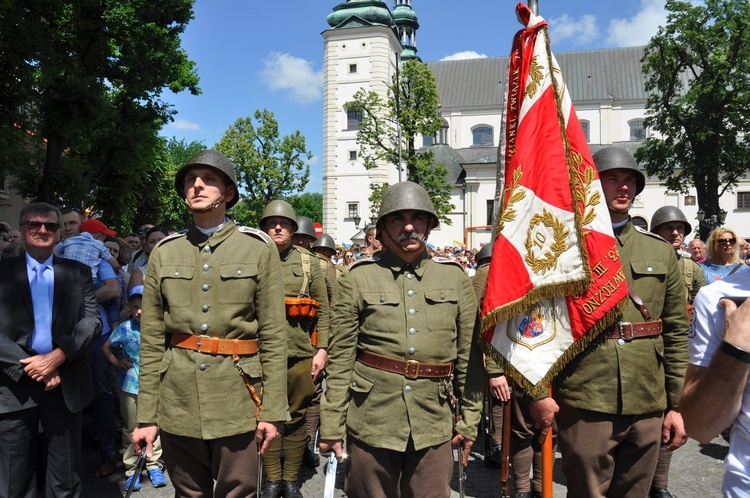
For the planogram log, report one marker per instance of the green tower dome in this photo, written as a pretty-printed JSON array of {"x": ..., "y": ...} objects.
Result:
[{"x": 364, "y": 12}]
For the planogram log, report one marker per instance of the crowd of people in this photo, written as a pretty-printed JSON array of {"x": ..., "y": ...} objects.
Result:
[{"x": 392, "y": 328}]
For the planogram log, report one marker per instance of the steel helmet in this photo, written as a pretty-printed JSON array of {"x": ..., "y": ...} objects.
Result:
[
  {"x": 667, "y": 214},
  {"x": 616, "y": 158},
  {"x": 484, "y": 253},
  {"x": 305, "y": 227},
  {"x": 279, "y": 208},
  {"x": 325, "y": 241},
  {"x": 405, "y": 196},
  {"x": 212, "y": 159}
]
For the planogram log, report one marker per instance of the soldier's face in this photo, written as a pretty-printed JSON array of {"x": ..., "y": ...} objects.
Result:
[
  {"x": 407, "y": 229},
  {"x": 279, "y": 229},
  {"x": 673, "y": 232},
  {"x": 618, "y": 186},
  {"x": 204, "y": 186}
]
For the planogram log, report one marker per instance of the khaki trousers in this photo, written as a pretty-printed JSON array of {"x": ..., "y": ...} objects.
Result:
[
  {"x": 380, "y": 473},
  {"x": 605, "y": 455}
]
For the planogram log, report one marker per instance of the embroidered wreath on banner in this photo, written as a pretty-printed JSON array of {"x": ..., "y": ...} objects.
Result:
[
  {"x": 536, "y": 75},
  {"x": 556, "y": 248},
  {"x": 508, "y": 213},
  {"x": 582, "y": 190}
]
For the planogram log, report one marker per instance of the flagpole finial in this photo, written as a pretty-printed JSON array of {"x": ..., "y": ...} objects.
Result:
[{"x": 534, "y": 7}]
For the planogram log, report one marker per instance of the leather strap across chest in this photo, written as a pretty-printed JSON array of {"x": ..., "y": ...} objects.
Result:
[
  {"x": 411, "y": 369},
  {"x": 214, "y": 345}
]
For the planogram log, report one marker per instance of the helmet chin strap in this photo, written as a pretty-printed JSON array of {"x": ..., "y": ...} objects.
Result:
[{"x": 207, "y": 209}]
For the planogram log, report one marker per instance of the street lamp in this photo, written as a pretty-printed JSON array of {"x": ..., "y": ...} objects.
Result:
[
  {"x": 712, "y": 221},
  {"x": 357, "y": 218}
]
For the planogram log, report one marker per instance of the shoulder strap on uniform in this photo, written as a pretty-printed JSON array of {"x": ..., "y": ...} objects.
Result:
[
  {"x": 307, "y": 272},
  {"x": 169, "y": 238},
  {"x": 447, "y": 261},
  {"x": 258, "y": 234}
]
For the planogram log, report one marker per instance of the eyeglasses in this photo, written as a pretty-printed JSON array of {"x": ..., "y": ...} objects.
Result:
[
  {"x": 34, "y": 226},
  {"x": 724, "y": 242},
  {"x": 272, "y": 224}
]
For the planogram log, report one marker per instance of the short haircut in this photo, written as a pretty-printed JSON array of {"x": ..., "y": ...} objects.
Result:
[
  {"x": 72, "y": 209},
  {"x": 38, "y": 208}
]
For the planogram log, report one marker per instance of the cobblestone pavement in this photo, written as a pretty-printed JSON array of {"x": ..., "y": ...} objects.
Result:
[{"x": 696, "y": 472}]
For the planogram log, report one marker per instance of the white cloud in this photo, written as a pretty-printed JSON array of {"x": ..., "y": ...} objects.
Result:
[
  {"x": 468, "y": 54},
  {"x": 288, "y": 73},
  {"x": 580, "y": 31},
  {"x": 184, "y": 124},
  {"x": 639, "y": 29}
]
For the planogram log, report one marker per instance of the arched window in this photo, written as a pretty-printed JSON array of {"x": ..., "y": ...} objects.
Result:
[
  {"x": 482, "y": 135},
  {"x": 638, "y": 130}
]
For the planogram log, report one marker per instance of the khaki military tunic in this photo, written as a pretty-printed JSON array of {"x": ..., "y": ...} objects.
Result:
[
  {"x": 423, "y": 311},
  {"x": 693, "y": 275},
  {"x": 643, "y": 375},
  {"x": 298, "y": 333},
  {"x": 227, "y": 285}
]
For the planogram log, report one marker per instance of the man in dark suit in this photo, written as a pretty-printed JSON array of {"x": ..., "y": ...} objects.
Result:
[{"x": 48, "y": 317}]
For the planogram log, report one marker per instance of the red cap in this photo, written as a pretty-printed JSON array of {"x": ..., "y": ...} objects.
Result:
[{"x": 96, "y": 226}]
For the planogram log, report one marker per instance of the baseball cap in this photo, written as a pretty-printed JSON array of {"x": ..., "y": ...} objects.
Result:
[
  {"x": 96, "y": 226},
  {"x": 137, "y": 290}
]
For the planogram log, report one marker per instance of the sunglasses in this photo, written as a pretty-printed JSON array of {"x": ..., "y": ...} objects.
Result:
[
  {"x": 34, "y": 226},
  {"x": 724, "y": 242},
  {"x": 272, "y": 224}
]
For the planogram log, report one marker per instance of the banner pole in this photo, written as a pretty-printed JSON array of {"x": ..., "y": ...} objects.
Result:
[
  {"x": 534, "y": 6},
  {"x": 548, "y": 461}
]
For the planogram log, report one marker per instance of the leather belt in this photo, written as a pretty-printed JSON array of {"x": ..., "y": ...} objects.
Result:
[
  {"x": 411, "y": 369},
  {"x": 214, "y": 345},
  {"x": 629, "y": 331}
]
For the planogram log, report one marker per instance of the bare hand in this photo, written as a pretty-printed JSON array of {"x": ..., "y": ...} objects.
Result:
[
  {"x": 464, "y": 446},
  {"x": 42, "y": 366},
  {"x": 265, "y": 433},
  {"x": 319, "y": 364},
  {"x": 673, "y": 430},
  {"x": 125, "y": 364},
  {"x": 543, "y": 412},
  {"x": 335, "y": 445},
  {"x": 499, "y": 387},
  {"x": 737, "y": 331},
  {"x": 52, "y": 381},
  {"x": 143, "y": 437}
]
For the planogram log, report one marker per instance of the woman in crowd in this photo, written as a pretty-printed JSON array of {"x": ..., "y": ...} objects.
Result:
[
  {"x": 722, "y": 255},
  {"x": 120, "y": 250},
  {"x": 153, "y": 237}
]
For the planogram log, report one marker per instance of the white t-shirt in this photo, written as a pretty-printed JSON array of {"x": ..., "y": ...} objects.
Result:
[{"x": 706, "y": 332}]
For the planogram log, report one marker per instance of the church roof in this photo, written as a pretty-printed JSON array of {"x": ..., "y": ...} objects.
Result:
[{"x": 606, "y": 74}]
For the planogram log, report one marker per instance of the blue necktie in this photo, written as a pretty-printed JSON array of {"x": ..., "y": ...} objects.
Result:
[{"x": 41, "y": 341}]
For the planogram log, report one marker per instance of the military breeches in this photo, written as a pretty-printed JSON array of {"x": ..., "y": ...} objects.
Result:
[
  {"x": 607, "y": 455},
  {"x": 380, "y": 473}
]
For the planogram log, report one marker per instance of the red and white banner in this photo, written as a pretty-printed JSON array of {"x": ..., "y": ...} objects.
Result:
[{"x": 555, "y": 280}]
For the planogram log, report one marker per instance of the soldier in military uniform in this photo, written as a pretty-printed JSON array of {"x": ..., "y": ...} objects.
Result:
[
  {"x": 307, "y": 339},
  {"x": 670, "y": 224},
  {"x": 326, "y": 247},
  {"x": 402, "y": 326},
  {"x": 619, "y": 397},
  {"x": 213, "y": 305}
]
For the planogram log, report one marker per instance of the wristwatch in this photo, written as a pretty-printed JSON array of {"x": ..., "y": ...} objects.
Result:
[{"x": 734, "y": 352}]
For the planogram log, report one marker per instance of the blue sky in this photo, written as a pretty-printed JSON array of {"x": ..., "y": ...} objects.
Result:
[{"x": 269, "y": 55}]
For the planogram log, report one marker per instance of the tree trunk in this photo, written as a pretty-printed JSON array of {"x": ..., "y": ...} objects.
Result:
[{"x": 55, "y": 147}]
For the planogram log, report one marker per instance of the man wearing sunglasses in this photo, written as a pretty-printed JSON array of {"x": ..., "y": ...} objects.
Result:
[{"x": 48, "y": 318}]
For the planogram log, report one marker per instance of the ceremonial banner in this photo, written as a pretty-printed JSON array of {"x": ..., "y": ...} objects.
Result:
[{"x": 555, "y": 280}]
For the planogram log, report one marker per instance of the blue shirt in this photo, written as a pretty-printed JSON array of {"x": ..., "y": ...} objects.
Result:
[
  {"x": 718, "y": 272},
  {"x": 128, "y": 336}
]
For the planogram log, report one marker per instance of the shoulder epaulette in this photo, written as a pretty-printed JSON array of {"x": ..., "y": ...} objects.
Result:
[
  {"x": 362, "y": 262},
  {"x": 447, "y": 261},
  {"x": 168, "y": 238},
  {"x": 650, "y": 234},
  {"x": 258, "y": 234}
]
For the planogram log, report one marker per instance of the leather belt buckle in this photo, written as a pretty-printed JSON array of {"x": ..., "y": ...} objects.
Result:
[
  {"x": 411, "y": 370},
  {"x": 198, "y": 342},
  {"x": 626, "y": 330}
]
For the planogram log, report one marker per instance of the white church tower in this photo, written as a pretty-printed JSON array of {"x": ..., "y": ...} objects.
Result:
[{"x": 363, "y": 49}]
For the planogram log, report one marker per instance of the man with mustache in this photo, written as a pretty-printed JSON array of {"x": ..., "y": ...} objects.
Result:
[{"x": 400, "y": 351}]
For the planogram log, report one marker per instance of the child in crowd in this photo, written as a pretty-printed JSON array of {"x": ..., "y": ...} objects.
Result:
[{"x": 128, "y": 337}]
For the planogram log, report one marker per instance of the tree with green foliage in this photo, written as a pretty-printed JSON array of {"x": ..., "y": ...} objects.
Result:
[
  {"x": 308, "y": 204},
  {"x": 698, "y": 75},
  {"x": 413, "y": 104},
  {"x": 268, "y": 165},
  {"x": 80, "y": 97}
]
